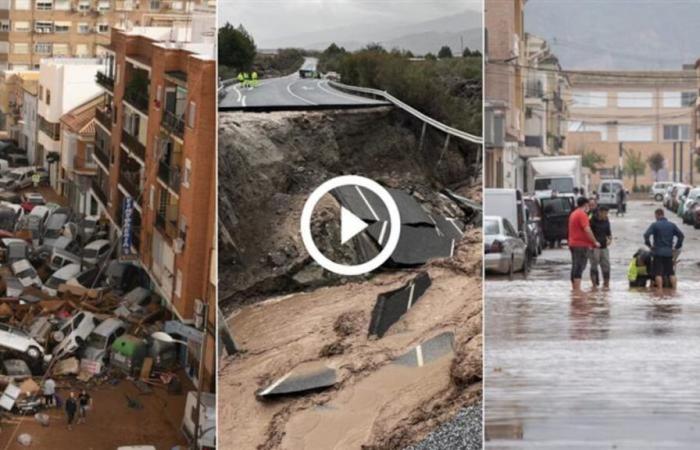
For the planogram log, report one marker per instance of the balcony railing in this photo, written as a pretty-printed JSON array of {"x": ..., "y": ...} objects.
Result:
[
  {"x": 104, "y": 116},
  {"x": 165, "y": 225},
  {"x": 102, "y": 156},
  {"x": 170, "y": 175},
  {"x": 105, "y": 81},
  {"x": 130, "y": 182},
  {"x": 97, "y": 189},
  {"x": 173, "y": 123},
  {"x": 53, "y": 130},
  {"x": 533, "y": 141},
  {"x": 134, "y": 145},
  {"x": 137, "y": 100}
]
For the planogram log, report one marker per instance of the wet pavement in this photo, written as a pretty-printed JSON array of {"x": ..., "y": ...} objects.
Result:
[{"x": 613, "y": 368}]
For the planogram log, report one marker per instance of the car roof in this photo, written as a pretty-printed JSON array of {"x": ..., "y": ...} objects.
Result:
[
  {"x": 97, "y": 244},
  {"x": 108, "y": 326},
  {"x": 67, "y": 272},
  {"x": 22, "y": 263}
]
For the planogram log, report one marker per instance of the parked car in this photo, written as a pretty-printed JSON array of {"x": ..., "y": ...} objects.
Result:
[
  {"x": 15, "y": 339},
  {"x": 14, "y": 249},
  {"x": 679, "y": 191},
  {"x": 8, "y": 219},
  {"x": 507, "y": 203},
  {"x": 41, "y": 211},
  {"x": 54, "y": 227},
  {"x": 608, "y": 191},
  {"x": 22, "y": 177},
  {"x": 25, "y": 273},
  {"x": 73, "y": 333},
  {"x": 692, "y": 196},
  {"x": 101, "y": 339},
  {"x": 504, "y": 250},
  {"x": 60, "y": 277},
  {"x": 689, "y": 212},
  {"x": 15, "y": 370},
  {"x": 32, "y": 199},
  {"x": 555, "y": 218},
  {"x": 61, "y": 258},
  {"x": 88, "y": 227},
  {"x": 96, "y": 251},
  {"x": 659, "y": 189}
]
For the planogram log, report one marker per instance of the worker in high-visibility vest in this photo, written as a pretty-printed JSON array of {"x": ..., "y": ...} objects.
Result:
[
  {"x": 254, "y": 77},
  {"x": 240, "y": 78},
  {"x": 246, "y": 79}
]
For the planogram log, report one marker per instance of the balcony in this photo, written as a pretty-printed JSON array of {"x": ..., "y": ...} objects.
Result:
[
  {"x": 105, "y": 81},
  {"x": 52, "y": 130},
  {"x": 137, "y": 99},
  {"x": 173, "y": 123},
  {"x": 104, "y": 116},
  {"x": 170, "y": 175},
  {"x": 102, "y": 155},
  {"x": 168, "y": 227},
  {"x": 130, "y": 181},
  {"x": 533, "y": 141},
  {"x": 134, "y": 145},
  {"x": 97, "y": 189}
]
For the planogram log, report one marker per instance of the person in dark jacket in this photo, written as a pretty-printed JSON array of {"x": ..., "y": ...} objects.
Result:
[
  {"x": 600, "y": 257},
  {"x": 71, "y": 408},
  {"x": 663, "y": 232}
]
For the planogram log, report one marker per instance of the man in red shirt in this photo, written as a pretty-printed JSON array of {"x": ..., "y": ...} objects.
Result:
[{"x": 581, "y": 241}]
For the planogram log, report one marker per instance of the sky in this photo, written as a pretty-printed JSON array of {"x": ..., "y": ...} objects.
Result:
[
  {"x": 271, "y": 22},
  {"x": 618, "y": 34}
]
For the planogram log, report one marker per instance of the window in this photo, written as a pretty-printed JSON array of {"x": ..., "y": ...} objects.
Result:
[
  {"x": 590, "y": 99},
  {"x": 83, "y": 28},
  {"x": 635, "y": 133},
  {"x": 22, "y": 4},
  {"x": 62, "y": 5},
  {"x": 678, "y": 99},
  {"x": 62, "y": 27},
  {"x": 103, "y": 6},
  {"x": 48, "y": 97},
  {"x": 22, "y": 26},
  {"x": 21, "y": 48},
  {"x": 187, "y": 173},
  {"x": 44, "y": 5},
  {"x": 84, "y": 5},
  {"x": 191, "y": 114},
  {"x": 581, "y": 127},
  {"x": 81, "y": 50},
  {"x": 61, "y": 50},
  {"x": 103, "y": 28},
  {"x": 154, "y": 5},
  {"x": 5, "y": 25},
  {"x": 676, "y": 132},
  {"x": 635, "y": 99},
  {"x": 41, "y": 26},
  {"x": 43, "y": 48}
]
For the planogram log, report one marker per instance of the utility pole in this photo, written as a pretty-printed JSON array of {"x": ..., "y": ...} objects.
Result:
[
  {"x": 674, "y": 162},
  {"x": 680, "y": 144},
  {"x": 619, "y": 161},
  {"x": 691, "y": 166}
]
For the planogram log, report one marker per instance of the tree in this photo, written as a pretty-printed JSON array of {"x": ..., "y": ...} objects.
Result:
[
  {"x": 236, "y": 47},
  {"x": 634, "y": 165},
  {"x": 445, "y": 52},
  {"x": 591, "y": 159},
  {"x": 375, "y": 47},
  {"x": 430, "y": 57},
  {"x": 656, "y": 163}
]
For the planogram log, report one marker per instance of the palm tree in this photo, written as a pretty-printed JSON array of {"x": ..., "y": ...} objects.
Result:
[{"x": 634, "y": 165}]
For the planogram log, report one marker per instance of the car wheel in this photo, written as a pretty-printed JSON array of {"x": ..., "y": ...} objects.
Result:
[
  {"x": 33, "y": 353},
  {"x": 658, "y": 197},
  {"x": 58, "y": 336}
]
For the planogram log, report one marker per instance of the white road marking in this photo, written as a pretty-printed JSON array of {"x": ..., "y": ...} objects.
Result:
[
  {"x": 275, "y": 384},
  {"x": 289, "y": 89},
  {"x": 419, "y": 356},
  {"x": 437, "y": 229},
  {"x": 339, "y": 94},
  {"x": 452, "y": 249},
  {"x": 410, "y": 296},
  {"x": 243, "y": 101},
  {"x": 238, "y": 93},
  {"x": 382, "y": 233},
  {"x": 376, "y": 217},
  {"x": 452, "y": 221}
]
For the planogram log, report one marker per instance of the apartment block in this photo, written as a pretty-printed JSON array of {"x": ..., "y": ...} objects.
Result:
[
  {"x": 11, "y": 98},
  {"x": 31, "y": 30},
  {"x": 504, "y": 93},
  {"x": 155, "y": 153},
  {"x": 618, "y": 113}
]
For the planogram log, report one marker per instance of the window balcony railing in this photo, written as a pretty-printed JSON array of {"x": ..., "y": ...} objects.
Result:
[
  {"x": 134, "y": 145},
  {"x": 102, "y": 156},
  {"x": 138, "y": 100},
  {"x": 166, "y": 226},
  {"x": 130, "y": 181},
  {"x": 170, "y": 175},
  {"x": 99, "y": 192},
  {"x": 104, "y": 116},
  {"x": 105, "y": 81},
  {"x": 174, "y": 123}
]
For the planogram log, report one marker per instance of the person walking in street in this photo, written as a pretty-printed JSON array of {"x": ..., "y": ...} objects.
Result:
[
  {"x": 71, "y": 408},
  {"x": 600, "y": 257},
  {"x": 662, "y": 247},
  {"x": 581, "y": 241},
  {"x": 49, "y": 391},
  {"x": 84, "y": 404},
  {"x": 620, "y": 211}
]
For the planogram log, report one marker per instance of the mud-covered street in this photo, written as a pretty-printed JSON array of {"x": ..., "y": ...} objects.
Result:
[{"x": 613, "y": 368}]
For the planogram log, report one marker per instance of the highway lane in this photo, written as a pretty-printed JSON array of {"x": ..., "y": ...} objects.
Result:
[{"x": 292, "y": 91}]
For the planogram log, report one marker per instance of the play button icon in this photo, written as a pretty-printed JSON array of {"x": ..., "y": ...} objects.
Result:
[{"x": 351, "y": 225}]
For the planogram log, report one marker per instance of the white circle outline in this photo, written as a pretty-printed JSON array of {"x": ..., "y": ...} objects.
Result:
[{"x": 394, "y": 222}]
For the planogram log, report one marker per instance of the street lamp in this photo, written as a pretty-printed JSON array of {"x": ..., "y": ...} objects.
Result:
[{"x": 167, "y": 338}]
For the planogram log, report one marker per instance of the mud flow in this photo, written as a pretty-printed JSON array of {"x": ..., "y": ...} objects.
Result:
[
  {"x": 610, "y": 368},
  {"x": 329, "y": 362}
]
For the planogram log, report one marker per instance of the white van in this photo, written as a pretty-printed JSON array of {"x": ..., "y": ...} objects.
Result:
[
  {"x": 509, "y": 204},
  {"x": 96, "y": 251},
  {"x": 22, "y": 177},
  {"x": 74, "y": 333},
  {"x": 60, "y": 277},
  {"x": 101, "y": 339},
  {"x": 608, "y": 191},
  {"x": 658, "y": 189},
  {"x": 207, "y": 420}
]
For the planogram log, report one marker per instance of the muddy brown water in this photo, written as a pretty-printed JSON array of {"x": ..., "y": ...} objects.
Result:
[{"x": 613, "y": 368}]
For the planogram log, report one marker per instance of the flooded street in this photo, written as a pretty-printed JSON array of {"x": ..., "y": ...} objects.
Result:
[{"x": 613, "y": 368}]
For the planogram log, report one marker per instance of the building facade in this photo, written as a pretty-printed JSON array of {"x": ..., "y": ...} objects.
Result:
[
  {"x": 155, "y": 152},
  {"x": 625, "y": 116},
  {"x": 503, "y": 90}
]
